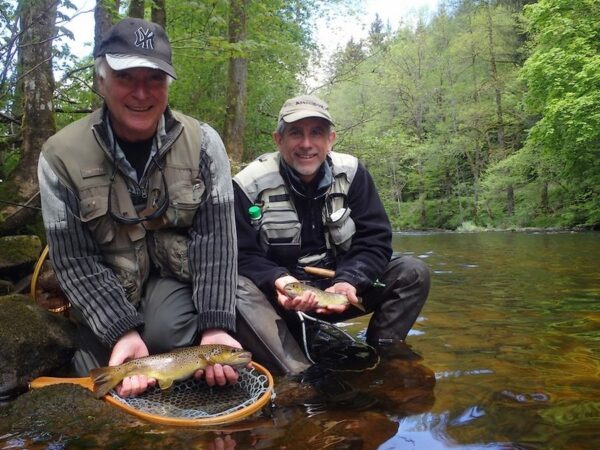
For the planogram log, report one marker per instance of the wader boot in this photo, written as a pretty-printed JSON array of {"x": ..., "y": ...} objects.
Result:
[{"x": 397, "y": 304}]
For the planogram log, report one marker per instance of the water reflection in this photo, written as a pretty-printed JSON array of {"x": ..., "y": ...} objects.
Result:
[
  {"x": 510, "y": 348},
  {"x": 511, "y": 330}
]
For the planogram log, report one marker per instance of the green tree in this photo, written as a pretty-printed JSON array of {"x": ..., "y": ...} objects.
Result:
[
  {"x": 37, "y": 23},
  {"x": 563, "y": 80}
]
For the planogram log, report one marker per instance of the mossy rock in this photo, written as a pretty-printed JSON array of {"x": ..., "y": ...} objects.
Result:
[
  {"x": 53, "y": 416},
  {"x": 33, "y": 342},
  {"x": 18, "y": 255}
]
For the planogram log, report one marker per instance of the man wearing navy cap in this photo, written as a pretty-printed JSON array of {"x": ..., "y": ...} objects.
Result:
[{"x": 138, "y": 209}]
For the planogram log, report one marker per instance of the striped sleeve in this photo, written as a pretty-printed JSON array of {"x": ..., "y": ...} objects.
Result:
[
  {"x": 213, "y": 243},
  {"x": 91, "y": 287}
]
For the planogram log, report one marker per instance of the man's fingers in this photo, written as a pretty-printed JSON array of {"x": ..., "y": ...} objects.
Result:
[
  {"x": 134, "y": 385},
  {"x": 231, "y": 374},
  {"x": 214, "y": 375},
  {"x": 128, "y": 386}
]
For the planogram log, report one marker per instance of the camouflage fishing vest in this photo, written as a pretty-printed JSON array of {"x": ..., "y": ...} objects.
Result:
[
  {"x": 262, "y": 182},
  {"x": 84, "y": 163}
]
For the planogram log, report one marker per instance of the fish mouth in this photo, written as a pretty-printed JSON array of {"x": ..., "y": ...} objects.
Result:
[
  {"x": 240, "y": 359},
  {"x": 243, "y": 356}
]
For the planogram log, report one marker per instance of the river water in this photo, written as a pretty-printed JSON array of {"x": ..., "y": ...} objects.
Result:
[
  {"x": 511, "y": 334},
  {"x": 511, "y": 330},
  {"x": 505, "y": 355}
]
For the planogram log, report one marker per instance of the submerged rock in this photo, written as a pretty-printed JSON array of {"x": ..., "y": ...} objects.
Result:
[
  {"x": 33, "y": 342},
  {"x": 61, "y": 415}
]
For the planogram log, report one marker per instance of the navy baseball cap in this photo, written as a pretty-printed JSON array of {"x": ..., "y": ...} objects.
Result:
[{"x": 136, "y": 42}]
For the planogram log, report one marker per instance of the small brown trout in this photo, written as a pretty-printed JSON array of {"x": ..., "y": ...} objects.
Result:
[
  {"x": 178, "y": 364},
  {"x": 324, "y": 298}
]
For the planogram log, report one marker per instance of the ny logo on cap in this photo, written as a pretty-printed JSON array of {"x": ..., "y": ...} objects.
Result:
[{"x": 144, "y": 38}]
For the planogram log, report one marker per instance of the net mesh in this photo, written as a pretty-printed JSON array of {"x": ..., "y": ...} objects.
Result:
[
  {"x": 191, "y": 399},
  {"x": 332, "y": 348}
]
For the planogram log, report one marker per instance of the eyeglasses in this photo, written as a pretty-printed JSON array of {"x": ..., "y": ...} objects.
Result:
[{"x": 158, "y": 209}]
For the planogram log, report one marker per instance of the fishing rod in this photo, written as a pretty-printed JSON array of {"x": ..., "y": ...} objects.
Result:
[
  {"x": 20, "y": 204},
  {"x": 328, "y": 273}
]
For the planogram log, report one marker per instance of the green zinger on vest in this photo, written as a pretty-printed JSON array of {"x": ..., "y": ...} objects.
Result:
[{"x": 279, "y": 227}]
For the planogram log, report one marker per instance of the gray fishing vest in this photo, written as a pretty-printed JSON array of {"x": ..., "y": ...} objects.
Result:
[
  {"x": 264, "y": 186},
  {"x": 82, "y": 162}
]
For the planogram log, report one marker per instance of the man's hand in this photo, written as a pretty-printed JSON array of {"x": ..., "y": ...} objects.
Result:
[
  {"x": 343, "y": 288},
  {"x": 305, "y": 302},
  {"x": 130, "y": 346},
  {"x": 218, "y": 374}
]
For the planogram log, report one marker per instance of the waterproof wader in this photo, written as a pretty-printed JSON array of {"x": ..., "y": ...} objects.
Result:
[
  {"x": 274, "y": 341},
  {"x": 262, "y": 330}
]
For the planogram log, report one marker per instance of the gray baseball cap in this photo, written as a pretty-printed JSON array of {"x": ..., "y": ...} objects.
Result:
[
  {"x": 135, "y": 42},
  {"x": 302, "y": 107}
]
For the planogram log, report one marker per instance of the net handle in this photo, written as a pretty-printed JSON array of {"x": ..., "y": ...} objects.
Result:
[
  {"x": 36, "y": 272},
  {"x": 87, "y": 383},
  {"x": 34, "y": 282}
]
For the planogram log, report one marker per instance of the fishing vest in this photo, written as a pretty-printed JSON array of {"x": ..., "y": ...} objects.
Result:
[
  {"x": 279, "y": 225},
  {"x": 82, "y": 160}
]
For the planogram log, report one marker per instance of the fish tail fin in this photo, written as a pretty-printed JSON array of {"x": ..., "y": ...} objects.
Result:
[
  {"x": 359, "y": 305},
  {"x": 104, "y": 379}
]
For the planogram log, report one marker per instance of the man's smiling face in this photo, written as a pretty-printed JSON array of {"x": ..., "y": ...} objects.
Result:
[
  {"x": 136, "y": 99},
  {"x": 305, "y": 144}
]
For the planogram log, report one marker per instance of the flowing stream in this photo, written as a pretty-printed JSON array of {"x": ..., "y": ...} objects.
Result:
[
  {"x": 511, "y": 331},
  {"x": 505, "y": 355}
]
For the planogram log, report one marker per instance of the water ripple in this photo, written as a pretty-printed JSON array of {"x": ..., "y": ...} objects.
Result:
[{"x": 462, "y": 373}]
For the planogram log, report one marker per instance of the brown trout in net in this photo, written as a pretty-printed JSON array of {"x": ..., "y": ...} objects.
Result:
[
  {"x": 324, "y": 298},
  {"x": 176, "y": 365}
]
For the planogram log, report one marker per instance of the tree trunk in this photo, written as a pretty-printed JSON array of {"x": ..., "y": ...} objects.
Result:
[
  {"x": 159, "y": 13},
  {"x": 495, "y": 82},
  {"x": 136, "y": 9},
  {"x": 233, "y": 135},
  {"x": 510, "y": 200},
  {"x": 544, "y": 199},
  {"x": 38, "y": 21},
  {"x": 422, "y": 209},
  {"x": 104, "y": 11}
]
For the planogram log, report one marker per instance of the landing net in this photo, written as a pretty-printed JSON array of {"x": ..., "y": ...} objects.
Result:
[{"x": 192, "y": 399}]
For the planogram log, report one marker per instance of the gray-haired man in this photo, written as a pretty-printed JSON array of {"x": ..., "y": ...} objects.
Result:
[{"x": 138, "y": 210}]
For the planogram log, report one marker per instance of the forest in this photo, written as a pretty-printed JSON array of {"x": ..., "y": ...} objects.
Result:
[{"x": 479, "y": 115}]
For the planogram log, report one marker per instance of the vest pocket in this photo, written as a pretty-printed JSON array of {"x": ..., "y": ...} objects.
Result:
[
  {"x": 169, "y": 251},
  {"x": 185, "y": 198},
  {"x": 341, "y": 228},
  {"x": 129, "y": 271},
  {"x": 93, "y": 211},
  {"x": 279, "y": 227}
]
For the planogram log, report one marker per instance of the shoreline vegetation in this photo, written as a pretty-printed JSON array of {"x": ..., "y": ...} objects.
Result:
[{"x": 474, "y": 116}]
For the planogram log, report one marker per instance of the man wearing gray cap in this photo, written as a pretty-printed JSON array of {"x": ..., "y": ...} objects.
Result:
[
  {"x": 138, "y": 210},
  {"x": 306, "y": 205}
]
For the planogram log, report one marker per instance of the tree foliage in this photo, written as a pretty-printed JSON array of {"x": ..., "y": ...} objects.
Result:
[
  {"x": 563, "y": 81},
  {"x": 455, "y": 127},
  {"x": 482, "y": 111}
]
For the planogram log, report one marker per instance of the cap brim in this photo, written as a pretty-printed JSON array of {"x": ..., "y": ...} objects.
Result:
[
  {"x": 293, "y": 117},
  {"x": 123, "y": 62}
]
